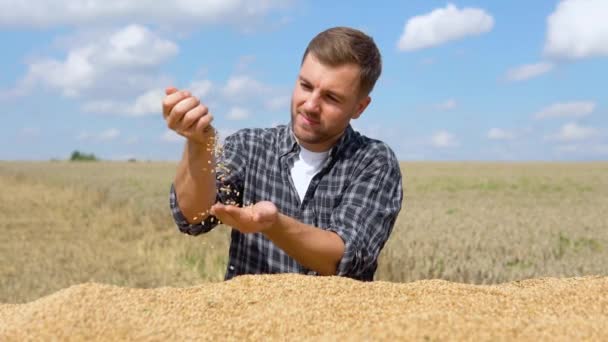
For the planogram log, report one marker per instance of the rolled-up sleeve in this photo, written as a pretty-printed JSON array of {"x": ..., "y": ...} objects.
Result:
[
  {"x": 366, "y": 215},
  {"x": 229, "y": 184},
  {"x": 182, "y": 224}
]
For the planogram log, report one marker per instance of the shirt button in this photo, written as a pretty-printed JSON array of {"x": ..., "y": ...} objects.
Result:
[{"x": 231, "y": 267}]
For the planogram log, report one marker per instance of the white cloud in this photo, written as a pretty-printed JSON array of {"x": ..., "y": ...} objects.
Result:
[
  {"x": 171, "y": 137},
  {"x": 83, "y": 136},
  {"x": 145, "y": 104},
  {"x": 109, "y": 134},
  {"x": 443, "y": 139},
  {"x": 201, "y": 88},
  {"x": 238, "y": 93},
  {"x": 576, "y": 109},
  {"x": 527, "y": 71},
  {"x": 584, "y": 149},
  {"x": 447, "y": 105},
  {"x": 578, "y": 29},
  {"x": 443, "y": 25},
  {"x": 148, "y": 103},
  {"x": 135, "y": 46},
  {"x": 277, "y": 103},
  {"x": 131, "y": 140},
  {"x": 106, "y": 135},
  {"x": 573, "y": 132},
  {"x": 568, "y": 148},
  {"x": 243, "y": 87},
  {"x": 499, "y": 134},
  {"x": 244, "y": 90},
  {"x": 69, "y": 76},
  {"x": 237, "y": 113},
  {"x": 373, "y": 130},
  {"x": 105, "y": 106},
  {"x": 599, "y": 149},
  {"x": 224, "y": 132},
  {"x": 44, "y": 13},
  {"x": 120, "y": 60}
]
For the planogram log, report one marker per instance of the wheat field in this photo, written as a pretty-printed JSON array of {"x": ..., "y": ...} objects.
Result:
[
  {"x": 66, "y": 224},
  {"x": 483, "y": 223}
]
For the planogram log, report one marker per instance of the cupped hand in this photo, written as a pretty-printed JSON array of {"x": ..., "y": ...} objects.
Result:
[
  {"x": 187, "y": 116},
  {"x": 251, "y": 219}
]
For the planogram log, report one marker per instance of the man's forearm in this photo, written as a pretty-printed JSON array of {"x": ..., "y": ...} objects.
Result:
[
  {"x": 313, "y": 247},
  {"x": 195, "y": 186}
]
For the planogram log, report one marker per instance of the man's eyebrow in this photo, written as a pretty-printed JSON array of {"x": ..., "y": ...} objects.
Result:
[
  {"x": 302, "y": 78},
  {"x": 334, "y": 94},
  {"x": 339, "y": 96}
]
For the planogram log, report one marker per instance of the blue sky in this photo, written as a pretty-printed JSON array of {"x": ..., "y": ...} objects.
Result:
[{"x": 462, "y": 80}]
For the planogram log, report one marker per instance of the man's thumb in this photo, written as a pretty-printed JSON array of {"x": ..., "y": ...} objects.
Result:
[{"x": 170, "y": 90}]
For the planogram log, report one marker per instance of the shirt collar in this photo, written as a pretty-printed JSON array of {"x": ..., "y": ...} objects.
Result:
[{"x": 289, "y": 142}]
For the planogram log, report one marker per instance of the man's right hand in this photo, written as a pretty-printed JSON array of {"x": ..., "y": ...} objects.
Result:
[
  {"x": 195, "y": 183},
  {"x": 187, "y": 116}
]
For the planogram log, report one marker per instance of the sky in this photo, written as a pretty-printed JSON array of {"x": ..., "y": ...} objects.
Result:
[{"x": 463, "y": 80}]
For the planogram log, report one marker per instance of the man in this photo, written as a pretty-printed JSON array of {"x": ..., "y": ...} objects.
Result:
[{"x": 312, "y": 197}]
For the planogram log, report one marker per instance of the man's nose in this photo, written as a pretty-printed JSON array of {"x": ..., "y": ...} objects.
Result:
[{"x": 312, "y": 103}]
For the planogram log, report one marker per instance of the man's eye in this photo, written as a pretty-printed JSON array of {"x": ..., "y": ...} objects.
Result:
[
  {"x": 306, "y": 86},
  {"x": 332, "y": 98}
]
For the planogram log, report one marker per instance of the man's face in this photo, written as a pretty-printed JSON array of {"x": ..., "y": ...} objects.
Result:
[{"x": 324, "y": 101}]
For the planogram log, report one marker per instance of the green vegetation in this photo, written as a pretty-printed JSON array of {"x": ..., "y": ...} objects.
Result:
[{"x": 79, "y": 156}]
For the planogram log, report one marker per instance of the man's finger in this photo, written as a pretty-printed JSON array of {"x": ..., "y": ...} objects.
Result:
[
  {"x": 179, "y": 110},
  {"x": 234, "y": 212},
  {"x": 192, "y": 116},
  {"x": 221, "y": 212},
  {"x": 173, "y": 99},
  {"x": 231, "y": 210},
  {"x": 214, "y": 208},
  {"x": 218, "y": 209},
  {"x": 170, "y": 90},
  {"x": 257, "y": 217},
  {"x": 203, "y": 123}
]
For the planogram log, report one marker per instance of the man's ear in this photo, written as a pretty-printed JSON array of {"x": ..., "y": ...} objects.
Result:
[{"x": 363, "y": 103}]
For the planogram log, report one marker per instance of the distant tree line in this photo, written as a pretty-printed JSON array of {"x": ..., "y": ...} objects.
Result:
[{"x": 79, "y": 156}]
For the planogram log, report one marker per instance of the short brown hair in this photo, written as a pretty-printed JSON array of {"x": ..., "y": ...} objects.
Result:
[{"x": 344, "y": 45}]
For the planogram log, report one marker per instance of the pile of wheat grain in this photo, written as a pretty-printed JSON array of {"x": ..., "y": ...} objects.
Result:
[{"x": 288, "y": 307}]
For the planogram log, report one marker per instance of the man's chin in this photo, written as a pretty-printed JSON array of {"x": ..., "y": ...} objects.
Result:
[{"x": 306, "y": 137}]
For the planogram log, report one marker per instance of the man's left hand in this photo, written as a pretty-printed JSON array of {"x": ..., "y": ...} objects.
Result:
[{"x": 251, "y": 219}]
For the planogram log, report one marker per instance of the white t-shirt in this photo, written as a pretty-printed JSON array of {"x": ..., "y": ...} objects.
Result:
[{"x": 306, "y": 167}]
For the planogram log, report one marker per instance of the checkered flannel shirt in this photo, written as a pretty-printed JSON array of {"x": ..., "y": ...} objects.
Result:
[{"x": 357, "y": 194}]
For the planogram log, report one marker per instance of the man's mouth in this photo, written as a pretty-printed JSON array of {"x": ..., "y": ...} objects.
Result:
[{"x": 308, "y": 120}]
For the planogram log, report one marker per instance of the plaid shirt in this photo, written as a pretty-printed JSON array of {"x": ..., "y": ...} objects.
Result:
[{"x": 357, "y": 194}]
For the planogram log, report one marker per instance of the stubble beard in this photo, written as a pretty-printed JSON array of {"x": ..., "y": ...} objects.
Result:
[{"x": 303, "y": 135}]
